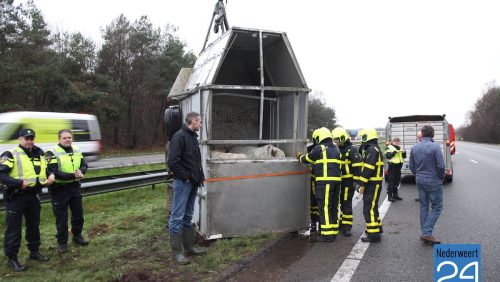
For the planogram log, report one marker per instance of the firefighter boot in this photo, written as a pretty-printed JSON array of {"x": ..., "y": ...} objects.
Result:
[
  {"x": 313, "y": 227},
  {"x": 325, "y": 239},
  {"x": 188, "y": 239},
  {"x": 15, "y": 265},
  {"x": 396, "y": 196},
  {"x": 176, "y": 246},
  {"x": 372, "y": 238},
  {"x": 346, "y": 230}
]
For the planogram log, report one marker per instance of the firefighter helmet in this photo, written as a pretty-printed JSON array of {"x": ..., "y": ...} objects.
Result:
[
  {"x": 321, "y": 134},
  {"x": 368, "y": 134},
  {"x": 340, "y": 134}
]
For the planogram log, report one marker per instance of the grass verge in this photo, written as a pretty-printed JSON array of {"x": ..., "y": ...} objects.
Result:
[
  {"x": 128, "y": 242},
  {"x": 123, "y": 170}
]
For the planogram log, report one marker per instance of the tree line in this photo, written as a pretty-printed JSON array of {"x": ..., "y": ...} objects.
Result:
[
  {"x": 483, "y": 121},
  {"x": 125, "y": 82}
]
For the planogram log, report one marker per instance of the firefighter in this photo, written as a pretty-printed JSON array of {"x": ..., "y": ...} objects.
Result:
[
  {"x": 313, "y": 203},
  {"x": 351, "y": 169},
  {"x": 23, "y": 171},
  {"x": 325, "y": 158},
  {"x": 66, "y": 162},
  {"x": 370, "y": 184},
  {"x": 395, "y": 159}
]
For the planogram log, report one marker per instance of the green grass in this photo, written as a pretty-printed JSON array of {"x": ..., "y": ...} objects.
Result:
[
  {"x": 127, "y": 238},
  {"x": 123, "y": 170}
]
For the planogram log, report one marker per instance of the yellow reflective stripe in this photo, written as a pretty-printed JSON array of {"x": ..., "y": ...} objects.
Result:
[
  {"x": 375, "y": 178},
  {"x": 357, "y": 164},
  {"x": 308, "y": 159},
  {"x": 345, "y": 216},
  {"x": 369, "y": 166},
  {"x": 377, "y": 230},
  {"x": 335, "y": 232},
  {"x": 329, "y": 226},
  {"x": 379, "y": 162},
  {"x": 372, "y": 212},
  {"x": 346, "y": 176},
  {"x": 363, "y": 179},
  {"x": 325, "y": 208},
  {"x": 346, "y": 193},
  {"x": 373, "y": 224},
  {"x": 355, "y": 177},
  {"x": 329, "y": 178},
  {"x": 328, "y": 160}
]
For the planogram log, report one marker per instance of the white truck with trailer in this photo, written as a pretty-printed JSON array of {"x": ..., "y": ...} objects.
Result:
[{"x": 406, "y": 128}]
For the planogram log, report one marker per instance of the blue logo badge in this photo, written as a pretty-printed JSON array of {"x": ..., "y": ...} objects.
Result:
[{"x": 457, "y": 262}]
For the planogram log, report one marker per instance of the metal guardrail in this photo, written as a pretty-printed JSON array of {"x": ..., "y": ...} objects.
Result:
[{"x": 106, "y": 184}]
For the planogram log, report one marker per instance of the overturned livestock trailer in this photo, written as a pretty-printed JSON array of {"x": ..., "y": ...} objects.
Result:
[{"x": 252, "y": 96}]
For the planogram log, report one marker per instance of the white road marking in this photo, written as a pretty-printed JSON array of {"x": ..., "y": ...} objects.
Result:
[
  {"x": 348, "y": 267},
  {"x": 473, "y": 161}
]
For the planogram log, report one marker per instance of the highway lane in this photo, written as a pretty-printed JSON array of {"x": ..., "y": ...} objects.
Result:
[
  {"x": 126, "y": 161},
  {"x": 471, "y": 215}
]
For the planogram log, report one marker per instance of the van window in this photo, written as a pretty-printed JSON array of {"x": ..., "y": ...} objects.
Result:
[{"x": 80, "y": 129}]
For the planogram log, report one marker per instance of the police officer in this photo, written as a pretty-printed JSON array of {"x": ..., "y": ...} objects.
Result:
[
  {"x": 66, "y": 162},
  {"x": 370, "y": 183},
  {"x": 395, "y": 159},
  {"x": 23, "y": 171},
  {"x": 351, "y": 169},
  {"x": 325, "y": 158}
]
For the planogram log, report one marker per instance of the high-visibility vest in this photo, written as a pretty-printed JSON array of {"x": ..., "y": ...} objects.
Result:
[
  {"x": 67, "y": 162},
  {"x": 24, "y": 168},
  {"x": 397, "y": 158}
]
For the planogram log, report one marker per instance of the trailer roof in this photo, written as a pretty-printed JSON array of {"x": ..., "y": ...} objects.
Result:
[{"x": 417, "y": 118}]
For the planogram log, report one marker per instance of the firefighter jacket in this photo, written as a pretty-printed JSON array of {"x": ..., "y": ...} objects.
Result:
[
  {"x": 325, "y": 160},
  {"x": 394, "y": 154},
  {"x": 63, "y": 162},
  {"x": 21, "y": 164},
  {"x": 373, "y": 164},
  {"x": 351, "y": 161}
]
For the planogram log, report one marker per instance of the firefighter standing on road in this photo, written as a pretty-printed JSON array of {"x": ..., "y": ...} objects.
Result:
[
  {"x": 66, "y": 162},
  {"x": 351, "y": 169},
  {"x": 325, "y": 158},
  {"x": 395, "y": 159},
  {"x": 23, "y": 171},
  {"x": 370, "y": 184}
]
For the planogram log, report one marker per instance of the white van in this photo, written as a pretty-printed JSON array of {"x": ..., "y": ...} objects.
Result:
[{"x": 85, "y": 128}]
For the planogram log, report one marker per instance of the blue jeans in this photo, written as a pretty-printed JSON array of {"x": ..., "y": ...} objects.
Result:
[
  {"x": 433, "y": 195},
  {"x": 182, "y": 206}
]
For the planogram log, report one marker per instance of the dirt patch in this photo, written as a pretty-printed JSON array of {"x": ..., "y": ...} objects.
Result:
[
  {"x": 140, "y": 275},
  {"x": 97, "y": 230}
]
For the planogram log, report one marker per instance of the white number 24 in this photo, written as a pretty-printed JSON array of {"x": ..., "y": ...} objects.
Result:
[{"x": 462, "y": 276}]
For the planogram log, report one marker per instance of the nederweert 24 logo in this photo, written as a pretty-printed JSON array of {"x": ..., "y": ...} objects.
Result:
[{"x": 457, "y": 262}]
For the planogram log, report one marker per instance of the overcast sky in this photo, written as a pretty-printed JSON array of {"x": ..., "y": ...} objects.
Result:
[{"x": 371, "y": 59}]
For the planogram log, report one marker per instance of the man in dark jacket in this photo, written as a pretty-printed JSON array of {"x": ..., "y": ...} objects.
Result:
[
  {"x": 66, "y": 162},
  {"x": 23, "y": 171},
  {"x": 427, "y": 164},
  {"x": 184, "y": 160}
]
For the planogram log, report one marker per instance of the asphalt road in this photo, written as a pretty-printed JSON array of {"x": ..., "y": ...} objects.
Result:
[
  {"x": 126, "y": 161},
  {"x": 471, "y": 214}
]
